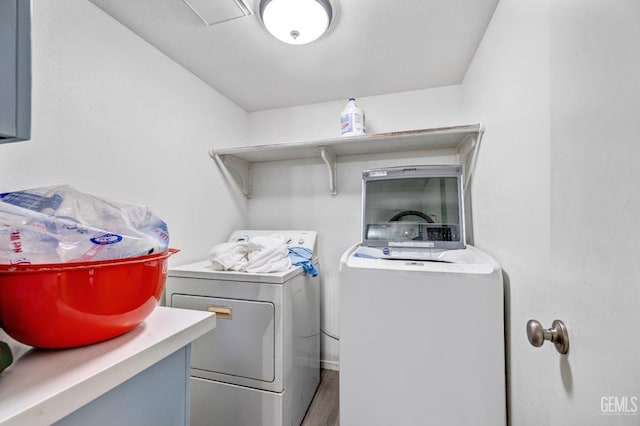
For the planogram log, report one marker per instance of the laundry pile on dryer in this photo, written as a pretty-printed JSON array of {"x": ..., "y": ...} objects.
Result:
[{"x": 259, "y": 254}]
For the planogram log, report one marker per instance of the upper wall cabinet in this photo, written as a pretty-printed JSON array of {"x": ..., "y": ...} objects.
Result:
[{"x": 15, "y": 70}]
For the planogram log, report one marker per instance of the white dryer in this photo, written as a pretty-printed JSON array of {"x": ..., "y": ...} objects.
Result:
[
  {"x": 261, "y": 365},
  {"x": 422, "y": 342}
]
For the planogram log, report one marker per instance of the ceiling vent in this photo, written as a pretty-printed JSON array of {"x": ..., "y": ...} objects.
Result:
[{"x": 216, "y": 11}]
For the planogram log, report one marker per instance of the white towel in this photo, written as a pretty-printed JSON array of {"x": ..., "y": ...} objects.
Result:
[
  {"x": 267, "y": 254},
  {"x": 229, "y": 256},
  {"x": 259, "y": 254}
]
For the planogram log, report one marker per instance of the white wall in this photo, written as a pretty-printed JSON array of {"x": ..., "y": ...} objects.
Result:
[
  {"x": 507, "y": 86},
  {"x": 295, "y": 194},
  {"x": 115, "y": 117},
  {"x": 399, "y": 111}
]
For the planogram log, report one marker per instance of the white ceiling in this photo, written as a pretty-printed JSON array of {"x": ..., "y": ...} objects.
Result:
[{"x": 373, "y": 47}]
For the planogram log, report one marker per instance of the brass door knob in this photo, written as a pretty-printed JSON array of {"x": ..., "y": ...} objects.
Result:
[{"x": 557, "y": 334}]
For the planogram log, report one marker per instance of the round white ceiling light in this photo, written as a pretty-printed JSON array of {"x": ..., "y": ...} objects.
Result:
[{"x": 296, "y": 21}]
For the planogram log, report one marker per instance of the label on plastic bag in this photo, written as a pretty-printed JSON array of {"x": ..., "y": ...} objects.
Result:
[
  {"x": 33, "y": 202},
  {"x": 105, "y": 239}
]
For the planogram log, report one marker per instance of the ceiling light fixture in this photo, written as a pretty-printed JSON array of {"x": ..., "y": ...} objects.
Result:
[{"x": 296, "y": 21}]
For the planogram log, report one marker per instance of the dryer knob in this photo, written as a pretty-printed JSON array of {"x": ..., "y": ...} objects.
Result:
[{"x": 301, "y": 241}]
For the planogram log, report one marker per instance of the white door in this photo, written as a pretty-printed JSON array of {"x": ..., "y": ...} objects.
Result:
[{"x": 595, "y": 212}]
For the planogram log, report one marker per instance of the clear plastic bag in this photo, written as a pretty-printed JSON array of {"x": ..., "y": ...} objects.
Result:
[{"x": 60, "y": 224}]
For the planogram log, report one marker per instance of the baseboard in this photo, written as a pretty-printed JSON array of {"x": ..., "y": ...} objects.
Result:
[{"x": 330, "y": 365}]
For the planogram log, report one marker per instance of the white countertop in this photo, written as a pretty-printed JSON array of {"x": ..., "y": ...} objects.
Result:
[{"x": 43, "y": 386}]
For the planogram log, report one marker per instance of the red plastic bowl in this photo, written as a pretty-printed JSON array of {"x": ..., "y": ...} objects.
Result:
[{"x": 74, "y": 304}]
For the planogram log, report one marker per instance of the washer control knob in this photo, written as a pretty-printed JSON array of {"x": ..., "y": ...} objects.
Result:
[{"x": 301, "y": 241}]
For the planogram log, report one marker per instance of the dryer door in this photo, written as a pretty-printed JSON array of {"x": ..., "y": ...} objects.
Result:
[{"x": 243, "y": 342}]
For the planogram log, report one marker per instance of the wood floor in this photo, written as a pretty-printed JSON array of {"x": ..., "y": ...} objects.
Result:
[{"x": 325, "y": 405}]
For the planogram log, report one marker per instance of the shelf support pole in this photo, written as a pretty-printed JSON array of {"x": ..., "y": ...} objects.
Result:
[
  {"x": 467, "y": 157},
  {"x": 329, "y": 159}
]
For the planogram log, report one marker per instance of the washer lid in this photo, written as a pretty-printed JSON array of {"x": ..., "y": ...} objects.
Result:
[
  {"x": 204, "y": 270},
  {"x": 469, "y": 260}
]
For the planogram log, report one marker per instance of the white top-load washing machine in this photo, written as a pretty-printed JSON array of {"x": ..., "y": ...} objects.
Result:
[
  {"x": 261, "y": 365},
  {"x": 421, "y": 319}
]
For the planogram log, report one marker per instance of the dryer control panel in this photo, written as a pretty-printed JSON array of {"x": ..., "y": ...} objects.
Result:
[{"x": 305, "y": 239}]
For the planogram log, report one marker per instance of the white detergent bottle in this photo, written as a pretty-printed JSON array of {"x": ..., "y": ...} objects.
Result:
[{"x": 352, "y": 119}]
